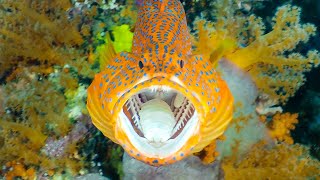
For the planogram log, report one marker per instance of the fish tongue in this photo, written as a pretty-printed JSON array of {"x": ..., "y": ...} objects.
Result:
[{"x": 157, "y": 121}]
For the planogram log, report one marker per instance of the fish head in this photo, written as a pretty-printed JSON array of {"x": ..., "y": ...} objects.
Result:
[{"x": 160, "y": 111}]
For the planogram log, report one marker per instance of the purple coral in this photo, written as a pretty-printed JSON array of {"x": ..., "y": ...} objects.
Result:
[
  {"x": 56, "y": 148},
  {"x": 139, "y": 3}
]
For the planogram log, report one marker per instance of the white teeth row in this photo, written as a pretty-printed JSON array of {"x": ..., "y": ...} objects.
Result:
[
  {"x": 143, "y": 97},
  {"x": 183, "y": 114},
  {"x": 178, "y": 111},
  {"x": 180, "y": 105},
  {"x": 138, "y": 101},
  {"x": 178, "y": 100},
  {"x": 134, "y": 104}
]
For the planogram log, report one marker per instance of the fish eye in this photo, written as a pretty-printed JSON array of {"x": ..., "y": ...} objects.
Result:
[
  {"x": 140, "y": 64},
  {"x": 181, "y": 63}
]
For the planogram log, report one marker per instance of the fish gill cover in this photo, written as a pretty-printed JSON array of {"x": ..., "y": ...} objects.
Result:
[{"x": 50, "y": 51}]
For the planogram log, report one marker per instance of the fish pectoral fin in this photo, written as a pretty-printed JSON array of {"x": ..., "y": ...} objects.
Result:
[
  {"x": 106, "y": 52},
  {"x": 224, "y": 47}
]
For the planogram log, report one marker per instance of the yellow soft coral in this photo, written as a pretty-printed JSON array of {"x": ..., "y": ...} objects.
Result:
[
  {"x": 269, "y": 48},
  {"x": 280, "y": 162},
  {"x": 209, "y": 153},
  {"x": 243, "y": 41},
  {"x": 39, "y": 35},
  {"x": 35, "y": 109},
  {"x": 281, "y": 125},
  {"x": 129, "y": 11}
]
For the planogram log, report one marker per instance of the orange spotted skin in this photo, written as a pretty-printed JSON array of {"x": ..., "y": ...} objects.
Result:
[{"x": 161, "y": 56}]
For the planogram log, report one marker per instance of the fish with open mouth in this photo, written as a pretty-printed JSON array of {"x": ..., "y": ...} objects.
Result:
[{"x": 160, "y": 102}]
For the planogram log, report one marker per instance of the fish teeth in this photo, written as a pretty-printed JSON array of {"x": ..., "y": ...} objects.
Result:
[
  {"x": 137, "y": 106},
  {"x": 138, "y": 101},
  {"x": 183, "y": 115},
  {"x": 181, "y": 109},
  {"x": 134, "y": 104},
  {"x": 143, "y": 97},
  {"x": 135, "y": 119},
  {"x": 178, "y": 100}
]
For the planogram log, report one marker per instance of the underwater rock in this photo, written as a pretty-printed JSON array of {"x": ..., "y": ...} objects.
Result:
[
  {"x": 240, "y": 83},
  {"x": 245, "y": 129},
  {"x": 91, "y": 176},
  {"x": 188, "y": 168}
]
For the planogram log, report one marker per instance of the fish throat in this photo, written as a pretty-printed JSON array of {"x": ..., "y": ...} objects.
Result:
[{"x": 159, "y": 119}]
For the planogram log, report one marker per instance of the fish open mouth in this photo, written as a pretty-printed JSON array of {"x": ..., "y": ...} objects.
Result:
[{"x": 159, "y": 120}]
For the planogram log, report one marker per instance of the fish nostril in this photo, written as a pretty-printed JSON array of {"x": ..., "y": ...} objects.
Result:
[
  {"x": 181, "y": 63},
  {"x": 140, "y": 64}
]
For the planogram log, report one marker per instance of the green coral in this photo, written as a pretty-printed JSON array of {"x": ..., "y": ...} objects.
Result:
[
  {"x": 107, "y": 50},
  {"x": 122, "y": 38}
]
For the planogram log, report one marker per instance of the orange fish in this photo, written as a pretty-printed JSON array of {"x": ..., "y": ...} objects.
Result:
[{"x": 160, "y": 102}]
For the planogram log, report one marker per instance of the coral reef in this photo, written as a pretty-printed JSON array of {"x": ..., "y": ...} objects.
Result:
[
  {"x": 43, "y": 57},
  {"x": 281, "y": 125},
  {"x": 57, "y": 148},
  {"x": 122, "y": 36},
  {"x": 269, "y": 57},
  {"x": 279, "y": 162},
  {"x": 209, "y": 153},
  {"x": 50, "y": 51},
  {"x": 29, "y": 123},
  {"x": 30, "y": 27},
  {"x": 18, "y": 170},
  {"x": 47, "y": 62}
]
